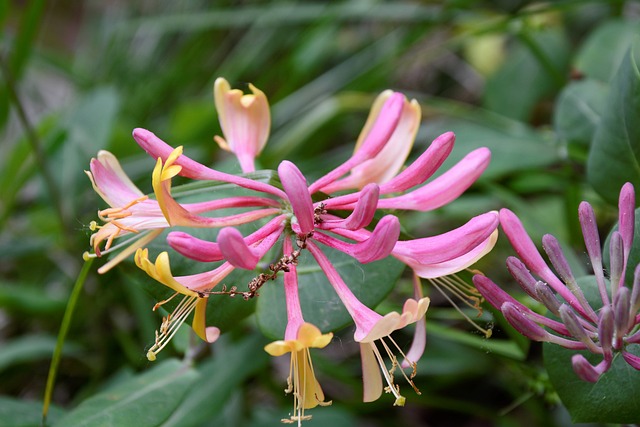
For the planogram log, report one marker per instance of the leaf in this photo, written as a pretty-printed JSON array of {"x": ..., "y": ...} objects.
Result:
[
  {"x": 21, "y": 51},
  {"x": 614, "y": 398},
  {"x": 578, "y": 110},
  {"x": 30, "y": 348},
  {"x": 146, "y": 399},
  {"x": 514, "y": 146},
  {"x": 535, "y": 76},
  {"x": 321, "y": 306},
  {"x": 88, "y": 126},
  {"x": 615, "y": 152},
  {"x": 606, "y": 47},
  {"x": 23, "y": 413},
  {"x": 219, "y": 378}
]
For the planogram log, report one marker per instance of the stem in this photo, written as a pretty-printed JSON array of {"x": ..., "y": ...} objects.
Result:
[
  {"x": 542, "y": 57},
  {"x": 35, "y": 143},
  {"x": 62, "y": 334}
]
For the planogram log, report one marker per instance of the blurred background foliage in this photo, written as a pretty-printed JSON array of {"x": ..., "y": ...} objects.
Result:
[{"x": 529, "y": 80}]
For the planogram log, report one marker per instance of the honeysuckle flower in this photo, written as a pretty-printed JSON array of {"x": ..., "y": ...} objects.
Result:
[
  {"x": 130, "y": 210},
  {"x": 388, "y": 162},
  {"x": 245, "y": 121},
  {"x": 299, "y": 337},
  {"x": 607, "y": 330},
  {"x": 372, "y": 327},
  {"x": 371, "y": 179},
  {"x": 194, "y": 291},
  {"x": 133, "y": 215}
]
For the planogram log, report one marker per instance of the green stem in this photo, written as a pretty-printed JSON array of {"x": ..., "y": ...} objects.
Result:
[
  {"x": 36, "y": 146},
  {"x": 62, "y": 334},
  {"x": 542, "y": 58}
]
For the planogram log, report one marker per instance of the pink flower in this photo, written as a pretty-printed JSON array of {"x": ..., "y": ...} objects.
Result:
[
  {"x": 605, "y": 331},
  {"x": 245, "y": 122},
  {"x": 299, "y": 337},
  {"x": 370, "y": 180}
]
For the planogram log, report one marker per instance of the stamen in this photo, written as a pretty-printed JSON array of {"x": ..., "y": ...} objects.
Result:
[
  {"x": 161, "y": 303},
  {"x": 414, "y": 365},
  {"x": 388, "y": 375},
  {"x": 171, "y": 324},
  {"x": 463, "y": 292}
]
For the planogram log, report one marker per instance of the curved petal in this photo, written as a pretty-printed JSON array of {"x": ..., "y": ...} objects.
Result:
[
  {"x": 206, "y": 251},
  {"x": 450, "y": 245},
  {"x": 529, "y": 254},
  {"x": 157, "y": 148},
  {"x": 363, "y": 211},
  {"x": 235, "y": 250},
  {"x": 445, "y": 188},
  {"x": 431, "y": 271},
  {"x": 245, "y": 121},
  {"x": 295, "y": 186},
  {"x": 388, "y": 162},
  {"x": 378, "y": 246},
  {"x": 110, "y": 181},
  {"x": 381, "y": 131}
]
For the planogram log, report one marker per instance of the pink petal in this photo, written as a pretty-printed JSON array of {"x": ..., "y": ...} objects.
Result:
[
  {"x": 445, "y": 188},
  {"x": 632, "y": 359},
  {"x": 111, "y": 182},
  {"x": 235, "y": 250},
  {"x": 429, "y": 271},
  {"x": 295, "y": 187},
  {"x": 585, "y": 370},
  {"x": 423, "y": 167},
  {"x": 378, "y": 246},
  {"x": 364, "y": 318},
  {"x": 626, "y": 221},
  {"x": 375, "y": 141},
  {"x": 245, "y": 121},
  {"x": 157, "y": 148},
  {"x": 529, "y": 254},
  {"x": 363, "y": 212},
  {"x": 497, "y": 297},
  {"x": 449, "y": 245},
  {"x": 386, "y": 164},
  {"x": 205, "y": 251}
]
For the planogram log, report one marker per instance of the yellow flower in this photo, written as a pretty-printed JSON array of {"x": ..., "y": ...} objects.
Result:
[
  {"x": 302, "y": 380},
  {"x": 194, "y": 300}
]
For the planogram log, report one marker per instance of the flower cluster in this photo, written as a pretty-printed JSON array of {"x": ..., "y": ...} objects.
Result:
[
  {"x": 606, "y": 329},
  {"x": 372, "y": 179}
]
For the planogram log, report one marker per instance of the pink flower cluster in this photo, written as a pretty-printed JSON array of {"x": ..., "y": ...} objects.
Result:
[
  {"x": 372, "y": 179},
  {"x": 605, "y": 329}
]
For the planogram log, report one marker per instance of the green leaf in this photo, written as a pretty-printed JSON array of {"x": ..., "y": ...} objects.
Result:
[
  {"x": 22, "y": 413},
  {"x": 233, "y": 363},
  {"x": 30, "y": 348},
  {"x": 615, "y": 154},
  {"x": 514, "y": 146},
  {"x": 147, "y": 399},
  {"x": 321, "y": 306},
  {"x": 606, "y": 47},
  {"x": 614, "y": 398},
  {"x": 578, "y": 110},
  {"x": 534, "y": 67},
  {"x": 88, "y": 127},
  {"x": 20, "y": 51}
]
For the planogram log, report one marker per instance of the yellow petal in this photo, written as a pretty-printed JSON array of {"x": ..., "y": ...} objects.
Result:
[
  {"x": 371, "y": 376},
  {"x": 161, "y": 271}
]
